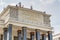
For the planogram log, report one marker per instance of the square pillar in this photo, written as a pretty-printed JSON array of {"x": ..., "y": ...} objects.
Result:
[
  {"x": 5, "y": 33},
  {"x": 43, "y": 36},
  {"x": 31, "y": 35},
  {"x": 24, "y": 33},
  {"x": 49, "y": 35},
  {"x": 9, "y": 34},
  {"x": 19, "y": 35},
  {"x": 37, "y": 34}
]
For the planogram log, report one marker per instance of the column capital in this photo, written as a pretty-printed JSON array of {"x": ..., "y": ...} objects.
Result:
[
  {"x": 19, "y": 31},
  {"x": 24, "y": 27},
  {"x": 5, "y": 29},
  {"x": 37, "y": 30},
  {"x": 32, "y": 33},
  {"x": 43, "y": 34},
  {"x": 49, "y": 32},
  {"x": 9, "y": 24}
]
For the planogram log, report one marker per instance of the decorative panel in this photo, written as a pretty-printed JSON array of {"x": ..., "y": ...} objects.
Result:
[
  {"x": 14, "y": 13},
  {"x": 30, "y": 18}
]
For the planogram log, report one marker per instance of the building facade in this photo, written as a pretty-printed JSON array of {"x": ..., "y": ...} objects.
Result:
[
  {"x": 56, "y": 37},
  {"x": 18, "y": 23}
]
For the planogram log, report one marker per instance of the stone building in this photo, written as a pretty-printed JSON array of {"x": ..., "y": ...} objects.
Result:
[
  {"x": 56, "y": 36},
  {"x": 19, "y": 23}
]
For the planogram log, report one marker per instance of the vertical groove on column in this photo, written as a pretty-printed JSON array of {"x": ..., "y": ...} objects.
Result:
[
  {"x": 32, "y": 36},
  {"x": 37, "y": 34},
  {"x": 24, "y": 33},
  {"x": 19, "y": 35},
  {"x": 10, "y": 32},
  {"x": 5, "y": 33},
  {"x": 43, "y": 37},
  {"x": 49, "y": 35}
]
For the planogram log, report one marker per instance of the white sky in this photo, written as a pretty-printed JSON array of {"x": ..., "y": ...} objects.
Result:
[{"x": 50, "y": 6}]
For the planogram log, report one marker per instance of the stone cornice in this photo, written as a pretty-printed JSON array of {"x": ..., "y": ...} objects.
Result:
[
  {"x": 25, "y": 9},
  {"x": 3, "y": 12},
  {"x": 29, "y": 26}
]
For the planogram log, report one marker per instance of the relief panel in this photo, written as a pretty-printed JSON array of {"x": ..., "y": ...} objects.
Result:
[
  {"x": 30, "y": 18},
  {"x": 14, "y": 14}
]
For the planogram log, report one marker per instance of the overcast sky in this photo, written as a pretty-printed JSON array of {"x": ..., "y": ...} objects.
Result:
[{"x": 49, "y": 6}]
